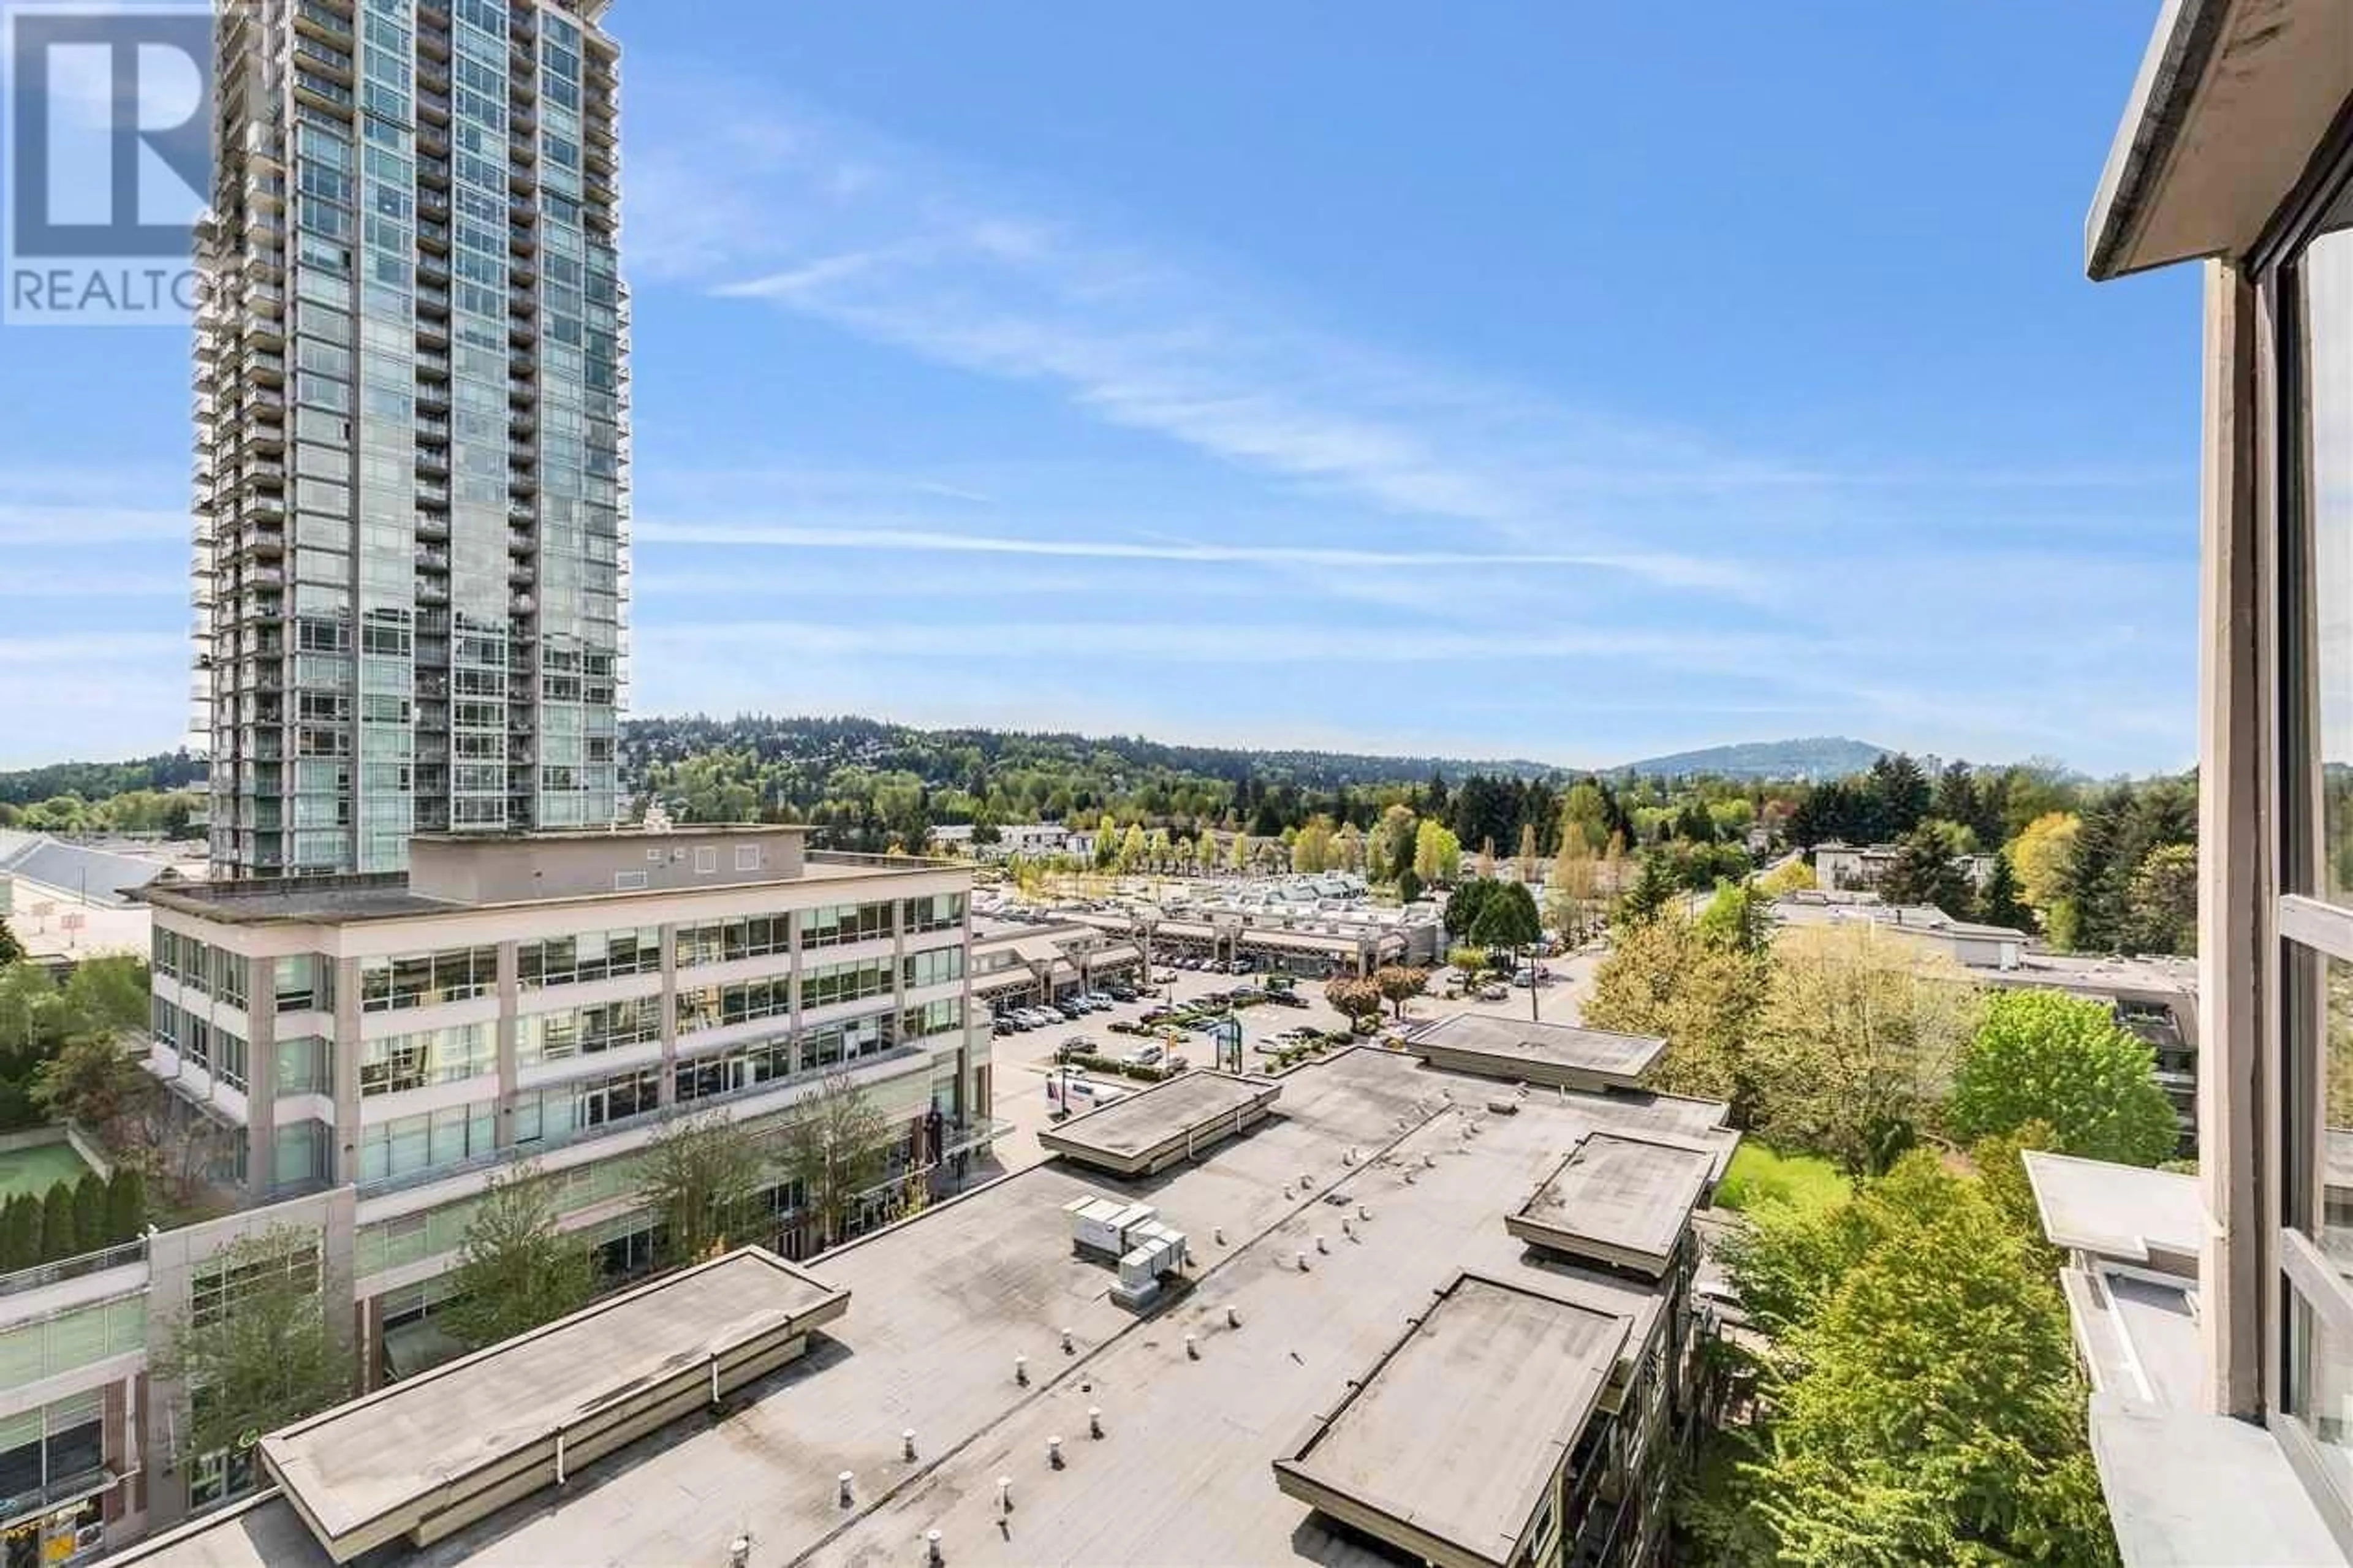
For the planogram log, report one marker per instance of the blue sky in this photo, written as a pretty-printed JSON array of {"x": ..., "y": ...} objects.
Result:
[{"x": 1570, "y": 382}]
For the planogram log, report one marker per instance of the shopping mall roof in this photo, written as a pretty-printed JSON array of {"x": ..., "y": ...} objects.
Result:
[
  {"x": 1361, "y": 1173},
  {"x": 1448, "y": 1445},
  {"x": 1551, "y": 1054}
]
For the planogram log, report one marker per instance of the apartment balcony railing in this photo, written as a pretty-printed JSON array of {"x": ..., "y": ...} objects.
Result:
[{"x": 123, "y": 1257}]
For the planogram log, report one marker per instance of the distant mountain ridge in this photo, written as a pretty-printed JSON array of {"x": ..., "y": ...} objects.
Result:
[{"x": 1817, "y": 758}]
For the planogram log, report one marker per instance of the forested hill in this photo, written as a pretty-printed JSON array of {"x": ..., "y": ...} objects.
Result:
[
  {"x": 950, "y": 757},
  {"x": 1815, "y": 759}
]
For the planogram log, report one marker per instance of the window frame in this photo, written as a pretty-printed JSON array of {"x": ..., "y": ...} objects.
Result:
[{"x": 2307, "y": 931}]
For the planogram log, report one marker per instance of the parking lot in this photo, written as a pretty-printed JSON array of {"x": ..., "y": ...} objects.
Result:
[{"x": 1025, "y": 1061}]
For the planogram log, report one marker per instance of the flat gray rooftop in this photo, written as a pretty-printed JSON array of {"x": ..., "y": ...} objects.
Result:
[
  {"x": 2117, "y": 1212},
  {"x": 1458, "y": 1430},
  {"x": 945, "y": 1301},
  {"x": 1197, "y": 1106},
  {"x": 364, "y": 1461},
  {"x": 1625, "y": 1198},
  {"x": 1539, "y": 1052}
]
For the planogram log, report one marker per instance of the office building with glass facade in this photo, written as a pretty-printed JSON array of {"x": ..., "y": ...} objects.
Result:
[
  {"x": 352, "y": 1061},
  {"x": 412, "y": 416}
]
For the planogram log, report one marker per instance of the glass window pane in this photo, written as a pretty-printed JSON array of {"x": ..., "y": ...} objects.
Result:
[
  {"x": 2334, "y": 1231},
  {"x": 2326, "y": 274},
  {"x": 2320, "y": 1389}
]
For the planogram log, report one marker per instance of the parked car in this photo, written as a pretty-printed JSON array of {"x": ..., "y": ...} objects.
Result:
[
  {"x": 1492, "y": 993},
  {"x": 1286, "y": 998},
  {"x": 1004, "y": 1027},
  {"x": 1121, "y": 994},
  {"x": 1146, "y": 1056},
  {"x": 1525, "y": 980},
  {"x": 1077, "y": 1046}
]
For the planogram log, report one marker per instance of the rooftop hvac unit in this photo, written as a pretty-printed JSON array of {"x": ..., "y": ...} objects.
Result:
[{"x": 1104, "y": 1225}]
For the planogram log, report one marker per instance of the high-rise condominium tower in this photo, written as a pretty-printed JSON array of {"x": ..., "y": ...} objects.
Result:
[{"x": 412, "y": 416}]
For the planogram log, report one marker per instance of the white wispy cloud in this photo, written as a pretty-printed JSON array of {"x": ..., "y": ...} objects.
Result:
[
  {"x": 954, "y": 266},
  {"x": 1681, "y": 571}
]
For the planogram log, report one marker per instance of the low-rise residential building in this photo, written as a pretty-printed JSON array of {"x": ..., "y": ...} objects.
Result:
[
  {"x": 1859, "y": 867},
  {"x": 1369, "y": 1310},
  {"x": 362, "y": 1055},
  {"x": 2154, "y": 995}
]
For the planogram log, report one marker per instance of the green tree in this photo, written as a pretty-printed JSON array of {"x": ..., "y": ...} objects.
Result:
[
  {"x": 1925, "y": 1406},
  {"x": 34, "y": 1018},
  {"x": 2001, "y": 903},
  {"x": 109, "y": 995},
  {"x": 1738, "y": 917},
  {"x": 834, "y": 1150},
  {"x": 1437, "y": 853},
  {"x": 11, "y": 950},
  {"x": 89, "y": 1212},
  {"x": 126, "y": 1203},
  {"x": 1664, "y": 977},
  {"x": 20, "y": 1233},
  {"x": 1389, "y": 852},
  {"x": 2000, "y": 1164},
  {"x": 1855, "y": 1042},
  {"x": 1409, "y": 885},
  {"x": 266, "y": 1355},
  {"x": 93, "y": 1081},
  {"x": 1507, "y": 918},
  {"x": 1654, "y": 889},
  {"x": 2040, "y": 1056},
  {"x": 2162, "y": 907},
  {"x": 1791, "y": 876},
  {"x": 1463, "y": 904},
  {"x": 701, "y": 1174},
  {"x": 61, "y": 1232},
  {"x": 2041, "y": 853},
  {"x": 517, "y": 1270},
  {"x": 1924, "y": 872}
]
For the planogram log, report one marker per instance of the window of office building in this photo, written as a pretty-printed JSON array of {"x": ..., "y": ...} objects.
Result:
[
  {"x": 426, "y": 1056},
  {"x": 2309, "y": 290},
  {"x": 304, "y": 982},
  {"x": 555, "y": 1115},
  {"x": 937, "y": 967},
  {"x": 722, "y": 941},
  {"x": 932, "y": 1018},
  {"x": 597, "y": 955},
  {"x": 833, "y": 983},
  {"x": 716, "y": 1006},
  {"x": 407, "y": 1145},
  {"x": 851, "y": 1040},
  {"x": 422, "y": 979},
  {"x": 837, "y": 923},
  {"x": 53, "y": 1449},
  {"x": 746, "y": 1067},
  {"x": 585, "y": 1031},
  {"x": 942, "y": 912},
  {"x": 305, "y": 1066}
]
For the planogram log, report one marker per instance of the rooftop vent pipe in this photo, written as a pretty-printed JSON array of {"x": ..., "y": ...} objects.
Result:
[
  {"x": 1094, "y": 1420},
  {"x": 907, "y": 1445},
  {"x": 841, "y": 1483},
  {"x": 1005, "y": 1494},
  {"x": 739, "y": 1552},
  {"x": 932, "y": 1549},
  {"x": 1054, "y": 1452},
  {"x": 1021, "y": 1371}
]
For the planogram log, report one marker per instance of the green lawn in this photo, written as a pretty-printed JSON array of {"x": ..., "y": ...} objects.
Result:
[
  {"x": 36, "y": 1169},
  {"x": 1809, "y": 1181}
]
